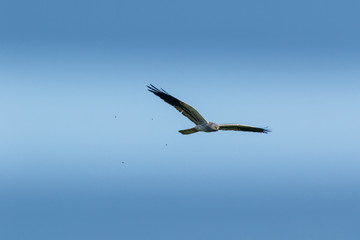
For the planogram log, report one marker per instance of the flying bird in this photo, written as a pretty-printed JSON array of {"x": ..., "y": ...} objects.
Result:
[{"x": 202, "y": 125}]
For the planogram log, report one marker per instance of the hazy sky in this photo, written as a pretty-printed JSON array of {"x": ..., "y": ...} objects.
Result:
[{"x": 86, "y": 152}]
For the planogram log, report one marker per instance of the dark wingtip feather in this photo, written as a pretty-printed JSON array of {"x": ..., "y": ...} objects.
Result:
[
  {"x": 152, "y": 88},
  {"x": 266, "y": 130},
  {"x": 164, "y": 95},
  {"x": 156, "y": 91}
]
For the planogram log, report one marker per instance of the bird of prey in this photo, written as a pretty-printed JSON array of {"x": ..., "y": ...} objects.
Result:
[{"x": 202, "y": 125}]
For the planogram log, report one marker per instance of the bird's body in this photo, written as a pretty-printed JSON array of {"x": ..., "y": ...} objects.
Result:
[
  {"x": 207, "y": 127},
  {"x": 202, "y": 125}
]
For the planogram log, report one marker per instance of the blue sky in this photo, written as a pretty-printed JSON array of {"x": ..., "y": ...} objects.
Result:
[{"x": 70, "y": 169}]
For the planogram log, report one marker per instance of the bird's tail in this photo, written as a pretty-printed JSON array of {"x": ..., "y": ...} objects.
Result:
[{"x": 188, "y": 131}]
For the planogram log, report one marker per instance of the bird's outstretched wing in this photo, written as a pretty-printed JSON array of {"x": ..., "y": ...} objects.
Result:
[
  {"x": 239, "y": 127},
  {"x": 185, "y": 109}
]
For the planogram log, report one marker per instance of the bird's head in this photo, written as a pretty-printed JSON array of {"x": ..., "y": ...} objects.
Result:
[{"x": 214, "y": 126}]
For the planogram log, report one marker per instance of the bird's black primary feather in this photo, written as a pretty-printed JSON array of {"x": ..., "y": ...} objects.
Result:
[{"x": 164, "y": 96}]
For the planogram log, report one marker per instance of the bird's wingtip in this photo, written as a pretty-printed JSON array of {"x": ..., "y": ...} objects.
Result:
[
  {"x": 152, "y": 88},
  {"x": 267, "y": 130}
]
